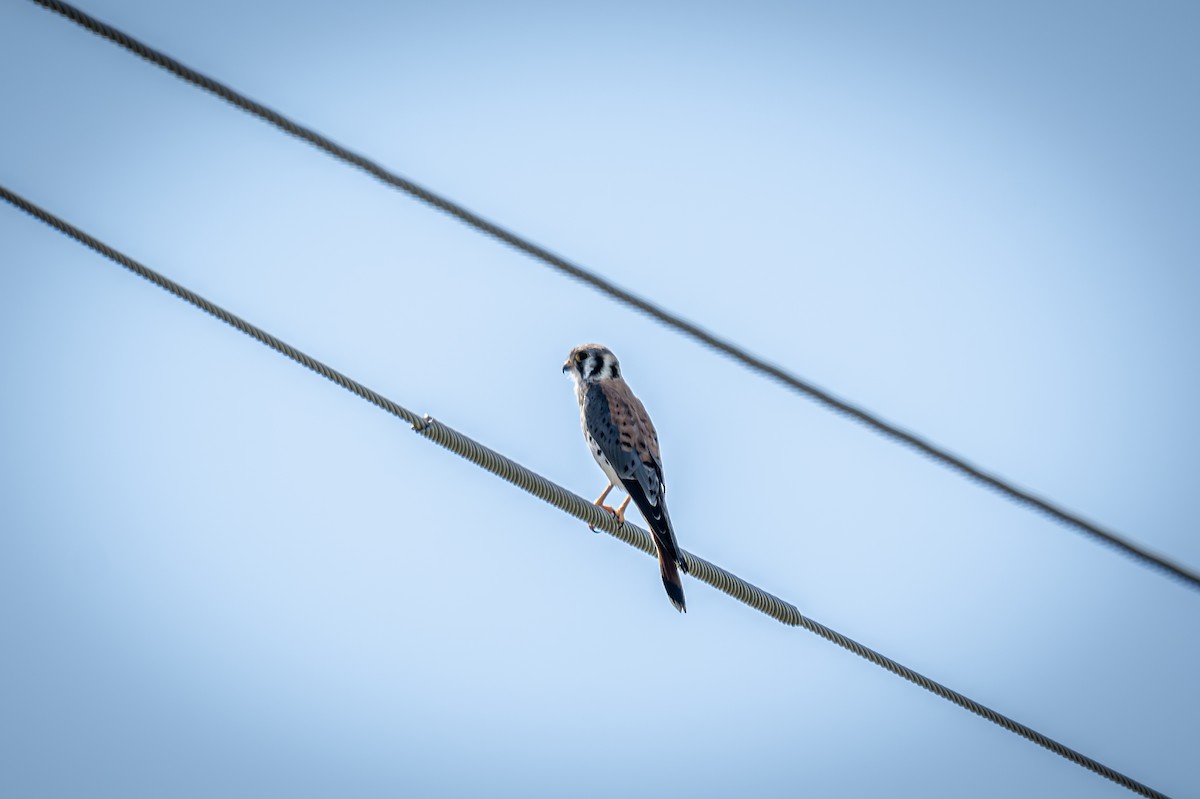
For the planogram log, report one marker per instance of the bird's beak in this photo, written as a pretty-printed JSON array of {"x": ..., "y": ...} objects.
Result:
[{"x": 566, "y": 367}]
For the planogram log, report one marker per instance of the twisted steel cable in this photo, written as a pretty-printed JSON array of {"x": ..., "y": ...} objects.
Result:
[
  {"x": 576, "y": 505},
  {"x": 753, "y": 362}
]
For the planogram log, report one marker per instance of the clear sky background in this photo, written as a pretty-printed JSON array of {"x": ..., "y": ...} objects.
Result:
[{"x": 222, "y": 576}]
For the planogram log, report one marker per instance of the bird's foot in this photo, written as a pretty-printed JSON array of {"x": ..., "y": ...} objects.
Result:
[
  {"x": 620, "y": 512},
  {"x": 610, "y": 509},
  {"x": 599, "y": 503}
]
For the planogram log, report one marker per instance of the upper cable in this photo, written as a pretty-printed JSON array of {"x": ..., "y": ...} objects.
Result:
[{"x": 759, "y": 365}]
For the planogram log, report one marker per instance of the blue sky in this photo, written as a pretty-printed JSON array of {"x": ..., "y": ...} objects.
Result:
[{"x": 221, "y": 575}]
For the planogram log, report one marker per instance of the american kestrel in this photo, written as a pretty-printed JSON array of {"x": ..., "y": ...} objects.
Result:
[{"x": 622, "y": 439}]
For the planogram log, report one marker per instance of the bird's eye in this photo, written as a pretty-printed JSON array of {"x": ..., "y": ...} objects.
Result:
[{"x": 580, "y": 357}]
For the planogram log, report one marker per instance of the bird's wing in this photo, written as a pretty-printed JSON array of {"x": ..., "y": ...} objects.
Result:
[{"x": 618, "y": 422}]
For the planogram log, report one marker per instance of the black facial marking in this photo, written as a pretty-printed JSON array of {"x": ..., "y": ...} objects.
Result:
[{"x": 616, "y": 372}]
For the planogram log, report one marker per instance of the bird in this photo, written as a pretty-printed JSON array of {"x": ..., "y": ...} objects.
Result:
[{"x": 622, "y": 439}]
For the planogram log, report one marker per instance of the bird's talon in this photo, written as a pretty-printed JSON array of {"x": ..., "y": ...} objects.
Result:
[
  {"x": 620, "y": 512},
  {"x": 620, "y": 516}
]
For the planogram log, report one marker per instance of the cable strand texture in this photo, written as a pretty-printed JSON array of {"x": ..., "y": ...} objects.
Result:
[
  {"x": 747, "y": 359},
  {"x": 572, "y": 503}
]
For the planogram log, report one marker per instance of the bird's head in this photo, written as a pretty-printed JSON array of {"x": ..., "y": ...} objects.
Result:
[{"x": 590, "y": 363}]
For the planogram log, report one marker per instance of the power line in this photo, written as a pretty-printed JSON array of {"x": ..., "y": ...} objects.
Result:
[
  {"x": 574, "y": 504},
  {"x": 751, "y": 361}
]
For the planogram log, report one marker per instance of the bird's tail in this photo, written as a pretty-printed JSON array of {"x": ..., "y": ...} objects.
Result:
[{"x": 670, "y": 576}]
